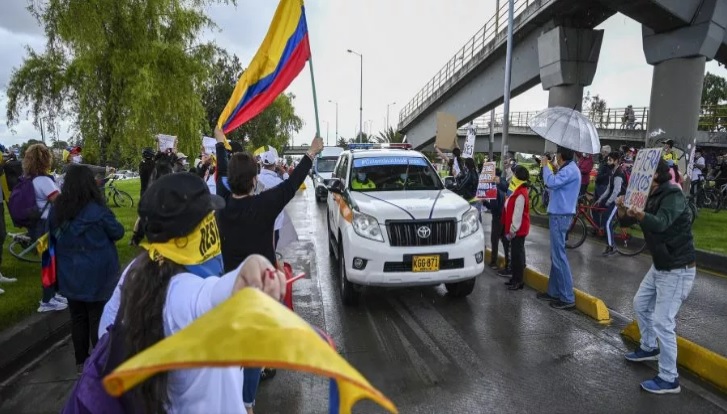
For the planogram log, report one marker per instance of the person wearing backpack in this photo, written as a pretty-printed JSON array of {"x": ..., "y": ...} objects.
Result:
[
  {"x": 29, "y": 205},
  {"x": 617, "y": 185}
]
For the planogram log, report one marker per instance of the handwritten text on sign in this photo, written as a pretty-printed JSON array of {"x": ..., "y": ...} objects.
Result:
[
  {"x": 209, "y": 145},
  {"x": 642, "y": 175},
  {"x": 469, "y": 145},
  {"x": 166, "y": 142},
  {"x": 487, "y": 186}
]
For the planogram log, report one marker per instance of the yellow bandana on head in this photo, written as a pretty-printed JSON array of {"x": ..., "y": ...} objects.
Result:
[
  {"x": 514, "y": 184},
  {"x": 202, "y": 244}
]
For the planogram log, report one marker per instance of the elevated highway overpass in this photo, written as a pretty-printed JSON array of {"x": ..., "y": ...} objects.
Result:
[{"x": 554, "y": 44}]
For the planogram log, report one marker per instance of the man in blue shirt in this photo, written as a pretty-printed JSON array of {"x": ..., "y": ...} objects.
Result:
[{"x": 564, "y": 187}]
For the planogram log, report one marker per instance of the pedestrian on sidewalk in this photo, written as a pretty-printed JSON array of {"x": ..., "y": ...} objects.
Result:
[
  {"x": 564, "y": 187},
  {"x": 496, "y": 206},
  {"x": 585, "y": 165},
  {"x": 87, "y": 263},
  {"x": 616, "y": 188},
  {"x": 667, "y": 226},
  {"x": 516, "y": 224}
]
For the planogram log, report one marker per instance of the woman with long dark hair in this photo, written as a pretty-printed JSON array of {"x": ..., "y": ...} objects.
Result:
[
  {"x": 166, "y": 289},
  {"x": 87, "y": 264}
]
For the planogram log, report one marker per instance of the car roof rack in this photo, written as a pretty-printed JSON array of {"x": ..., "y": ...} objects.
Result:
[{"x": 386, "y": 145}]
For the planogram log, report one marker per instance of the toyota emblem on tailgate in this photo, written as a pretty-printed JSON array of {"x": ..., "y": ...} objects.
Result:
[{"x": 424, "y": 232}]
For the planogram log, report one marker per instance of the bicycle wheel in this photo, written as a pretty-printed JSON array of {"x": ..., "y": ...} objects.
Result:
[
  {"x": 693, "y": 206},
  {"x": 628, "y": 241},
  {"x": 576, "y": 233},
  {"x": 24, "y": 250},
  {"x": 537, "y": 206},
  {"x": 719, "y": 202},
  {"x": 123, "y": 199}
]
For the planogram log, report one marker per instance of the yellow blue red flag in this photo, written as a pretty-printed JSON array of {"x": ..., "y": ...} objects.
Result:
[
  {"x": 281, "y": 57},
  {"x": 251, "y": 329}
]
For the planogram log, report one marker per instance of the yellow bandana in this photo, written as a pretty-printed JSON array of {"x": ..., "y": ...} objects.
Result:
[
  {"x": 514, "y": 184},
  {"x": 202, "y": 244}
]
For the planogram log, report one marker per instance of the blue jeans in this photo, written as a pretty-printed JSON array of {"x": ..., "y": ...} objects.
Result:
[
  {"x": 656, "y": 305},
  {"x": 251, "y": 381},
  {"x": 560, "y": 283}
]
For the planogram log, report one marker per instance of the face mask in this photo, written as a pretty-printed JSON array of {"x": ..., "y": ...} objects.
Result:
[
  {"x": 76, "y": 159},
  {"x": 361, "y": 177}
]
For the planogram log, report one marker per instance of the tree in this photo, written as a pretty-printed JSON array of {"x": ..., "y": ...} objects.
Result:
[
  {"x": 274, "y": 126},
  {"x": 713, "y": 116},
  {"x": 342, "y": 142},
  {"x": 120, "y": 70},
  {"x": 24, "y": 146},
  {"x": 595, "y": 107},
  {"x": 389, "y": 136}
]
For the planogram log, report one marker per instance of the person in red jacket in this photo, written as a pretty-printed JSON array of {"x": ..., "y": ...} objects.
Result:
[
  {"x": 585, "y": 164},
  {"x": 516, "y": 224}
]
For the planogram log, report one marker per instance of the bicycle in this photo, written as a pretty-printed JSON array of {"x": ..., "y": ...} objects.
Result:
[
  {"x": 625, "y": 241},
  {"x": 721, "y": 198},
  {"x": 23, "y": 248},
  {"x": 110, "y": 192},
  {"x": 539, "y": 197}
]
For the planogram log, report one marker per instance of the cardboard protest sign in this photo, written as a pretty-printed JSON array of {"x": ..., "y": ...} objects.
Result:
[
  {"x": 209, "y": 145},
  {"x": 642, "y": 174},
  {"x": 446, "y": 131},
  {"x": 166, "y": 142},
  {"x": 487, "y": 186},
  {"x": 469, "y": 146}
]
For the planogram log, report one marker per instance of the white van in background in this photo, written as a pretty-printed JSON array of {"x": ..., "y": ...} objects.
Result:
[{"x": 323, "y": 169}]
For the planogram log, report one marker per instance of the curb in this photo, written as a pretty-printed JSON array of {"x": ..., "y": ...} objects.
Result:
[
  {"x": 713, "y": 262},
  {"x": 589, "y": 305},
  {"x": 25, "y": 340},
  {"x": 706, "y": 364}
]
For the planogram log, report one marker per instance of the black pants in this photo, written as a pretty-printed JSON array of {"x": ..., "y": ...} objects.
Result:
[
  {"x": 85, "y": 317},
  {"x": 276, "y": 239},
  {"x": 495, "y": 235},
  {"x": 518, "y": 259}
]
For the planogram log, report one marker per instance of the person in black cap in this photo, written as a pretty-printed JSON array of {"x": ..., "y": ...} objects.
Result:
[
  {"x": 146, "y": 166},
  {"x": 175, "y": 281}
]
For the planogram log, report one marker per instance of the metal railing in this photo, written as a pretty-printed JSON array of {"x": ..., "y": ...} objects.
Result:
[
  {"x": 609, "y": 118},
  {"x": 466, "y": 58}
]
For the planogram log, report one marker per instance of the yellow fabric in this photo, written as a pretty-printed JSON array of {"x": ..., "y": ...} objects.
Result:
[
  {"x": 250, "y": 329},
  {"x": 358, "y": 185},
  {"x": 202, "y": 244},
  {"x": 550, "y": 166},
  {"x": 259, "y": 151},
  {"x": 286, "y": 19},
  {"x": 668, "y": 156},
  {"x": 5, "y": 188},
  {"x": 42, "y": 244},
  {"x": 515, "y": 183},
  {"x": 66, "y": 154}
]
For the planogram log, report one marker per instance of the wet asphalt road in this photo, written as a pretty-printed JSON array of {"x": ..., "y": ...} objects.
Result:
[{"x": 495, "y": 351}]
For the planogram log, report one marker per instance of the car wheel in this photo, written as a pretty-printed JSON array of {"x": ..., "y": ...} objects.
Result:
[
  {"x": 349, "y": 295},
  {"x": 461, "y": 289},
  {"x": 331, "y": 252}
]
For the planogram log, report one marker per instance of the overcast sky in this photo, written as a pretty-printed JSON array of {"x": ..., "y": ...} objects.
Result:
[{"x": 401, "y": 53}]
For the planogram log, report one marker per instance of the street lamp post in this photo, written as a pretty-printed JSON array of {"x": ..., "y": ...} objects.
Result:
[
  {"x": 335, "y": 102},
  {"x": 387, "y": 114},
  {"x": 360, "y": 116}
]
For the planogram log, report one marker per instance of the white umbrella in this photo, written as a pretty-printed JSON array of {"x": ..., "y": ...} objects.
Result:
[{"x": 567, "y": 128}]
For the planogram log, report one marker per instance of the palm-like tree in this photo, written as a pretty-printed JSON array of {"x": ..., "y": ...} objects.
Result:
[{"x": 389, "y": 136}]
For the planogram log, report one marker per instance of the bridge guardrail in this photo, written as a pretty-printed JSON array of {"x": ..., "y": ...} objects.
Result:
[{"x": 464, "y": 59}]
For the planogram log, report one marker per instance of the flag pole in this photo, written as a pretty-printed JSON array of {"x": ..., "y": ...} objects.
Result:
[{"x": 315, "y": 97}]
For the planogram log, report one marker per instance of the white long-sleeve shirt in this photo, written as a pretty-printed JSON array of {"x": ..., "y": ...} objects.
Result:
[{"x": 517, "y": 214}]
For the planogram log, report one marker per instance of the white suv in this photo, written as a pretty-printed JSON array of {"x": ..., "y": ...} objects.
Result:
[{"x": 391, "y": 222}]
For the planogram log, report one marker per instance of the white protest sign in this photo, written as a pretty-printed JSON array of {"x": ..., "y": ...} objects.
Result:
[
  {"x": 487, "y": 186},
  {"x": 642, "y": 174},
  {"x": 209, "y": 145},
  {"x": 469, "y": 145},
  {"x": 166, "y": 142}
]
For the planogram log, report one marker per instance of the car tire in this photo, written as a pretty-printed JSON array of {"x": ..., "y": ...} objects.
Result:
[
  {"x": 461, "y": 289},
  {"x": 349, "y": 294}
]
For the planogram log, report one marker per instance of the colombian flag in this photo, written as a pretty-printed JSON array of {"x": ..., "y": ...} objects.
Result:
[
  {"x": 46, "y": 249},
  {"x": 279, "y": 60},
  {"x": 250, "y": 329}
]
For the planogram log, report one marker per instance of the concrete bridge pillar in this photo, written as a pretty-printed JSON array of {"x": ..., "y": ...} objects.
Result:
[
  {"x": 679, "y": 57},
  {"x": 568, "y": 58}
]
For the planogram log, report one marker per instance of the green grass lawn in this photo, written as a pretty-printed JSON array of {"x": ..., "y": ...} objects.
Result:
[{"x": 21, "y": 298}]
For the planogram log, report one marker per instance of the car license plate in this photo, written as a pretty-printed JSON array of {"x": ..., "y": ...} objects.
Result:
[{"x": 425, "y": 263}]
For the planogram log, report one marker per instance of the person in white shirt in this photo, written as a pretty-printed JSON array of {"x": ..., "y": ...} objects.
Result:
[
  {"x": 269, "y": 178},
  {"x": 699, "y": 165},
  {"x": 172, "y": 284},
  {"x": 36, "y": 165}
]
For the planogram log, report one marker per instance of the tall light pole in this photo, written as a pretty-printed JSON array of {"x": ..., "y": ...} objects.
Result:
[
  {"x": 328, "y": 128},
  {"x": 387, "y": 114},
  {"x": 335, "y": 102},
  {"x": 360, "y": 116},
  {"x": 508, "y": 70}
]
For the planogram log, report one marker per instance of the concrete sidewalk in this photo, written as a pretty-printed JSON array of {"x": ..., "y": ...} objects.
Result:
[{"x": 615, "y": 280}]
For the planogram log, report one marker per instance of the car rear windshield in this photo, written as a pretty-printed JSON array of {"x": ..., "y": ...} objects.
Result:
[
  {"x": 326, "y": 164},
  {"x": 393, "y": 174}
]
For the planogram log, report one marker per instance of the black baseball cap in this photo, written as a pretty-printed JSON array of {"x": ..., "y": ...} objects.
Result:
[{"x": 174, "y": 205}]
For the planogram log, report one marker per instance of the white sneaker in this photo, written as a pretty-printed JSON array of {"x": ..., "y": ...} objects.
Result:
[
  {"x": 51, "y": 306},
  {"x": 4, "y": 279},
  {"x": 60, "y": 299}
]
